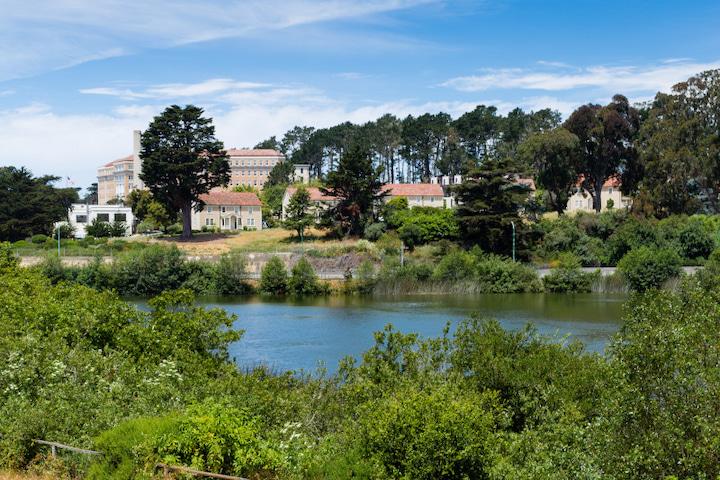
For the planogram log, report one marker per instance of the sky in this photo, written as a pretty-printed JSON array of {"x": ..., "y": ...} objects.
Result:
[{"x": 77, "y": 76}]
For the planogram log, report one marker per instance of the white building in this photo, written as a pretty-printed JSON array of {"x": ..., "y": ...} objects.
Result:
[
  {"x": 581, "y": 201},
  {"x": 81, "y": 215}
]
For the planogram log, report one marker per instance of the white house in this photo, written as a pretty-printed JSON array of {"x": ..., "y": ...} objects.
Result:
[
  {"x": 80, "y": 215},
  {"x": 228, "y": 210},
  {"x": 581, "y": 201}
]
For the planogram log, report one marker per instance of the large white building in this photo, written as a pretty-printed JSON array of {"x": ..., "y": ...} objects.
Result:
[{"x": 81, "y": 215}]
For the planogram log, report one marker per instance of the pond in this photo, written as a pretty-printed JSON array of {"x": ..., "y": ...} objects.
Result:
[{"x": 304, "y": 334}]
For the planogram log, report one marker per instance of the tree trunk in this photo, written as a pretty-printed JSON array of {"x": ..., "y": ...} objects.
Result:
[
  {"x": 187, "y": 221},
  {"x": 597, "y": 194}
]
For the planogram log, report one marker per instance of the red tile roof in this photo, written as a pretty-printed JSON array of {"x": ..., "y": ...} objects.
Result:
[
  {"x": 253, "y": 152},
  {"x": 528, "y": 182},
  {"x": 315, "y": 194},
  {"x": 413, "y": 189},
  {"x": 613, "y": 182},
  {"x": 227, "y": 197}
]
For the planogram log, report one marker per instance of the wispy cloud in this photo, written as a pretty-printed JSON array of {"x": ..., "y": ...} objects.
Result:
[
  {"x": 176, "y": 90},
  {"x": 351, "y": 75},
  {"x": 48, "y": 34},
  {"x": 558, "y": 77}
]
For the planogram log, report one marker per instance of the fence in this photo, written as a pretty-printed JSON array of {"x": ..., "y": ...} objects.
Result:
[{"x": 165, "y": 467}]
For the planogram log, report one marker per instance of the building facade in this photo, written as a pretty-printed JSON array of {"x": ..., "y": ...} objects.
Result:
[
  {"x": 81, "y": 215},
  {"x": 226, "y": 211},
  {"x": 581, "y": 201},
  {"x": 248, "y": 167},
  {"x": 251, "y": 167}
]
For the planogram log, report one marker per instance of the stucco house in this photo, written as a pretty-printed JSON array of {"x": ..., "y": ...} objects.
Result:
[
  {"x": 320, "y": 202},
  {"x": 81, "y": 215},
  {"x": 227, "y": 210},
  {"x": 581, "y": 201}
]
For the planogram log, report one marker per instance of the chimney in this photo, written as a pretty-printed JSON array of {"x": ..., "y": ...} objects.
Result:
[{"x": 137, "y": 163}]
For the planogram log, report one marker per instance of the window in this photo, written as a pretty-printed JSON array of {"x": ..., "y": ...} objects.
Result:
[
  {"x": 209, "y": 209},
  {"x": 250, "y": 210},
  {"x": 237, "y": 209},
  {"x": 81, "y": 218},
  {"x": 302, "y": 170},
  {"x": 610, "y": 190},
  {"x": 222, "y": 222},
  {"x": 120, "y": 217},
  {"x": 251, "y": 222},
  {"x": 209, "y": 222},
  {"x": 103, "y": 217},
  {"x": 222, "y": 209}
]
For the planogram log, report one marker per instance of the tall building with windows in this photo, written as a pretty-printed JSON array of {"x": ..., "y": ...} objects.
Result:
[
  {"x": 248, "y": 167},
  {"x": 115, "y": 179},
  {"x": 251, "y": 167}
]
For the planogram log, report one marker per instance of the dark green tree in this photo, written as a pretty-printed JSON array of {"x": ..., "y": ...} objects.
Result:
[
  {"x": 479, "y": 131},
  {"x": 489, "y": 201},
  {"x": 280, "y": 174},
  {"x": 91, "y": 197},
  {"x": 270, "y": 143},
  {"x": 606, "y": 144},
  {"x": 31, "y": 205},
  {"x": 356, "y": 184},
  {"x": 679, "y": 145},
  {"x": 182, "y": 159},
  {"x": 299, "y": 217},
  {"x": 146, "y": 208},
  {"x": 552, "y": 155}
]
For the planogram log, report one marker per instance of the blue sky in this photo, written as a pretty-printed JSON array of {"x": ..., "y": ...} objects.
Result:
[{"x": 76, "y": 77}]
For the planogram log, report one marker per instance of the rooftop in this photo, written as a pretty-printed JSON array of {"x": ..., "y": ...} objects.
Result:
[
  {"x": 413, "y": 189},
  {"x": 253, "y": 152},
  {"x": 228, "y": 197}
]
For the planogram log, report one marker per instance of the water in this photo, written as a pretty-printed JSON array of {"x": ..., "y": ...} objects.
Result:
[{"x": 304, "y": 334}]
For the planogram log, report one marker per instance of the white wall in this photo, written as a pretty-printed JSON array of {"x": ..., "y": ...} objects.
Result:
[{"x": 91, "y": 212}]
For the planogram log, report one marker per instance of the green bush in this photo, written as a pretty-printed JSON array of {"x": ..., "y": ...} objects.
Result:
[
  {"x": 568, "y": 278},
  {"x": 455, "y": 266},
  {"x": 373, "y": 231},
  {"x": 99, "y": 229},
  {"x": 646, "y": 268},
  {"x": 274, "y": 277},
  {"x": 696, "y": 239},
  {"x": 218, "y": 438},
  {"x": 231, "y": 275},
  {"x": 303, "y": 280},
  {"x": 496, "y": 274},
  {"x": 421, "y": 225},
  {"x": 118, "y": 229},
  {"x": 39, "y": 238},
  {"x": 149, "y": 271},
  {"x": 8, "y": 260},
  {"x": 430, "y": 435},
  {"x": 66, "y": 231},
  {"x": 389, "y": 243}
]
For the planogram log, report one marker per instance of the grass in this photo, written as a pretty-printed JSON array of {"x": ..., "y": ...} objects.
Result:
[
  {"x": 7, "y": 475},
  {"x": 261, "y": 241}
]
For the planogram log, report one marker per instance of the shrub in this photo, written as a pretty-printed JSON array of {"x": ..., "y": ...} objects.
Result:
[
  {"x": 421, "y": 225},
  {"x": 634, "y": 233},
  {"x": 443, "y": 433},
  {"x": 496, "y": 274},
  {"x": 568, "y": 277},
  {"x": 231, "y": 274},
  {"x": 219, "y": 438},
  {"x": 39, "y": 238},
  {"x": 373, "y": 231},
  {"x": 98, "y": 229},
  {"x": 66, "y": 231},
  {"x": 389, "y": 243},
  {"x": 365, "y": 279},
  {"x": 646, "y": 268},
  {"x": 696, "y": 240},
  {"x": 455, "y": 266},
  {"x": 118, "y": 229},
  {"x": 8, "y": 260},
  {"x": 410, "y": 234},
  {"x": 149, "y": 271},
  {"x": 274, "y": 277},
  {"x": 303, "y": 279}
]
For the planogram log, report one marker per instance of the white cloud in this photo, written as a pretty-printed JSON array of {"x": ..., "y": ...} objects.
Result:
[
  {"x": 613, "y": 79},
  {"x": 176, "y": 90},
  {"x": 42, "y": 35}
]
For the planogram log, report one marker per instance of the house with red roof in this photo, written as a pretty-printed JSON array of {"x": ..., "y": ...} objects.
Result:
[
  {"x": 227, "y": 210},
  {"x": 610, "y": 196}
]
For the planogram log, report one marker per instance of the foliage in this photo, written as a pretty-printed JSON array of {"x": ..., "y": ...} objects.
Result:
[
  {"x": 182, "y": 160},
  {"x": 8, "y": 260},
  {"x": 231, "y": 275},
  {"x": 274, "y": 277},
  {"x": 65, "y": 229},
  {"x": 271, "y": 197},
  {"x": 647, "y": 268},
  {"x": 606, "y": 135},
  {"x": 568, "y": 278},
  {"x": 496, "y": 274},
  {"x": 456, "y": 266},
  {"x": 99, "y": 229},
  {"x": 303, "y": 279},
  {"x": 31, "y": 205},
  {"x": 147, "y": 209},
  {"x": 552, "y": 155},
  {"x": 422, "y": 225},
  {"x": 373, "y": 231},
  {"x": 217, "y": 438},
  {"x": 298, "y": 214},
  {"x": 488, "y": 203},
  {"x": 356, "y": 184}
]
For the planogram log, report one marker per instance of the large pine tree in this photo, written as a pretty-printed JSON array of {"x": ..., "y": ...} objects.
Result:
[
  {"x": 356, "y": 184},
  {"x": 182, "y": 159},
  {"x": 489, "y": 200}
]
